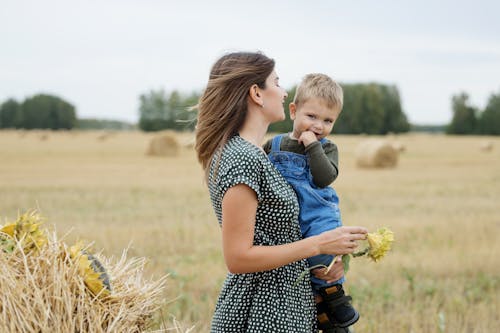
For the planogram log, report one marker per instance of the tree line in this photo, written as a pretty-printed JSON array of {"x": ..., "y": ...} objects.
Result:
[
  {"x": 39, "y": 111},
  {"x": 468, "y": 119},
  {"x": 368, "y": 108}
]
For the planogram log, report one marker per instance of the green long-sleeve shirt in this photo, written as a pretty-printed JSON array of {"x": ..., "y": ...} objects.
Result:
[{"x": 323, "y": 159}]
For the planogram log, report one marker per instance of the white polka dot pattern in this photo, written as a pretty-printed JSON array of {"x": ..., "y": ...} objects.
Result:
[{"x": 264, "y": 301}]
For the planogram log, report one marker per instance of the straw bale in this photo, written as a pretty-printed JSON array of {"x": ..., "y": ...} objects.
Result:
[
  {"x": 43, "y": 291},
  {"x": 163, "y": 144},
  {"x": 189, "y": 143},
  {"x": 486, "y": 146},
  {"x": 398, "y": 146},
  {"x": 376, "y": 153},
  {"x": 104, "y": 136}
]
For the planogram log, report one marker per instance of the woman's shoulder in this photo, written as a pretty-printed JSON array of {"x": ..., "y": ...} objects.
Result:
[
  {"x": 239, "y": 154},
  {"x": 238, "y": 148}
]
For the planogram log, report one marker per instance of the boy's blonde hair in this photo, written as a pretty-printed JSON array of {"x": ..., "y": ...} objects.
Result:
[{"x": 321, "y": 86}]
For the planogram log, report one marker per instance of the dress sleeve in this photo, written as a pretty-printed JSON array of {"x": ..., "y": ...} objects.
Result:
[{"x": 244, "y": 168}]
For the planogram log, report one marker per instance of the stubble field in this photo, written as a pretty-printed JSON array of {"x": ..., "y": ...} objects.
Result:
[{"x": 442, "y": 201}]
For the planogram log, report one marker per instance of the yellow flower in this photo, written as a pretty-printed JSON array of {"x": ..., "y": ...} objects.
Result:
[
  {"x": 91, "y": 270},
  {"x": 380, "y": 243},
  {"x": 26, "y": 230}
]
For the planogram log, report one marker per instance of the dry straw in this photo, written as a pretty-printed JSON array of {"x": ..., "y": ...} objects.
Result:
[
  {"x": 105, "y": 136},
  {"x": 43, "y": 137},
  {"x": 44, "y": 291},
  {"x": 163, "y": 144},
  {"x": 376, "y": 153},
  {"x": 398, "y": 146},
  {"x": 486, "y": 146}
]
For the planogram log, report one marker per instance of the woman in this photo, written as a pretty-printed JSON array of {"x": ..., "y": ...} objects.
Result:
[{"x": 256, "y": 208}]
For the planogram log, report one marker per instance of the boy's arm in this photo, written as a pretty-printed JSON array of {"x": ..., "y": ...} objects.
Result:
[{"x": 323, "y": 162}]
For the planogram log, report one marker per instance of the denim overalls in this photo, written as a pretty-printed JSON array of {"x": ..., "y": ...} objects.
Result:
[{"x": 319, "y": 207}]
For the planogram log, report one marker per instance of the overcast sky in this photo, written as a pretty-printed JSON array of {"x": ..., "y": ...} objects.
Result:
[{"x": 101, "y": 55}]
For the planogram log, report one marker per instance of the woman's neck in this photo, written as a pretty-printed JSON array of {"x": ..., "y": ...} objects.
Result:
[{"x": 253, "y": 132}]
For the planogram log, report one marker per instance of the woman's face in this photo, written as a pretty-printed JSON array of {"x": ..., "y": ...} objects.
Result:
[{"x": 273, "y": 97}]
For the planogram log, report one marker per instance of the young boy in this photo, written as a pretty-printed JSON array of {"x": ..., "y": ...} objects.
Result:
[{"x": 309, "y": 162}]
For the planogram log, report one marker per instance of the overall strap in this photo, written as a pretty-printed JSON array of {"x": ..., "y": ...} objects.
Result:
[
  {"x": 276, "y": 143},
  {"x": 323, "y": 141}
]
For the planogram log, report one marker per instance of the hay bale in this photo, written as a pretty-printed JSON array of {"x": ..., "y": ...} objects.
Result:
[
  {"x": 486, "y": 146},
  {"x": 398, "y": 146},
  {"x": 104, "y": 136},
  {"x": 22, "y": 133},
  {"x": 376, "y": 153},
  {"x": 164, "y": 144},
  {"x": 43, "y": 290},
  {"x": 189, "y": 143}
]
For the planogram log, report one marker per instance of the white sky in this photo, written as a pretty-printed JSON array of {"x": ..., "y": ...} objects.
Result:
[{"x": 101, "y": 55}]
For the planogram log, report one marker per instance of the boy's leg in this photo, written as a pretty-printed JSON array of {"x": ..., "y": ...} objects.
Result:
[
  {"x": 333, "y": 307},
  {"x": 337, "y": 306}
]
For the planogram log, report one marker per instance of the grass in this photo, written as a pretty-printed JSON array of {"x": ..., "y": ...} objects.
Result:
[{"x": 441, "y": 201}]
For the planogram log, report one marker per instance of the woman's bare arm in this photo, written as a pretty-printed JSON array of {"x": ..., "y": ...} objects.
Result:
[{"x": 239, "y": 207}]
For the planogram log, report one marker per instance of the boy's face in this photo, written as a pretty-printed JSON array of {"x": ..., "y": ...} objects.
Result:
[{"x": 315, "y": 116}]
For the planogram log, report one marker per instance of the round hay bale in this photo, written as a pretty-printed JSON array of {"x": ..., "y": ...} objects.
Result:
[
  {"x": 104, "y": 136},
  {"x": 164, "y": 144},
  {"x": 486, "y": 146},
  {"x": 189, "y": 143},
  {"x": 398, "y": 146},
  {"x": 376, "y": 153},
  {"x": 43, "y": 137}
]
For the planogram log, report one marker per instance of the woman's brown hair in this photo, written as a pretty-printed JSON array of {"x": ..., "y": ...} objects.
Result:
[{"x": 222, "y": 108}]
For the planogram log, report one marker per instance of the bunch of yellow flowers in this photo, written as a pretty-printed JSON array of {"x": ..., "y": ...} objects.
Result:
[
  {"x": 26, "y": 234},
  {"x": 379, "y": 243},
  {"x": 94, "y": 274},
  {"x": 25, "y": 230}
]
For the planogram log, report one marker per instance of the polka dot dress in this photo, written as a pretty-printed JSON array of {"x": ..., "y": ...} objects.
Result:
[{"x": 265, "y": 301}]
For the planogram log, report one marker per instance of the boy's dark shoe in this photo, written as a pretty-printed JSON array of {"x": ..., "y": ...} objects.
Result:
[
  {"x": 338, "y": 307},
  {"x": 323, "y": 321}
]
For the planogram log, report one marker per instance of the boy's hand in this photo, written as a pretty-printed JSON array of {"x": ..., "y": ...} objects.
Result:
[
  {"x": 307, "y": 137},
  {"x": 335, "y": 273}
]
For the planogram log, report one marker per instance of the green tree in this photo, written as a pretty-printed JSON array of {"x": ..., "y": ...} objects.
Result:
[
  {"x": 489, "y": 119},
  {"x": 153, "y": 111},
  {"x": 186, "y": 117},
  {"x": 48, "y": 111},
  {"x": 371, "y": 108},
  {"x": 372, "y": 118},
  {"x": 394, "y": 118},
  {"x": 159, "y": 110},
  {"x": 464, "y": 116},
  {"x": 349, "y": 119},
  {"x": 11, "y": 114}
]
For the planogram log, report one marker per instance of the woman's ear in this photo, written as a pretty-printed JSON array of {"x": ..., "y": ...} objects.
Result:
[{"x": 255, "y": 94}]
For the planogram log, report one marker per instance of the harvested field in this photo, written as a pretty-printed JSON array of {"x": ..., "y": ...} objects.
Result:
[{"x": 441, "y": 201}]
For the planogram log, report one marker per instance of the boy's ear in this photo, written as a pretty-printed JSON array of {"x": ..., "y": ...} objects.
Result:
[
  {"x": 255, "y": 95},
  {"x": 293, "y": 109}
]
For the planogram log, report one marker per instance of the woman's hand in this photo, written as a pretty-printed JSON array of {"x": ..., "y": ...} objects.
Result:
[
  {"x": 341, "y": 240},
  {"x": 335, "y": 273}
]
